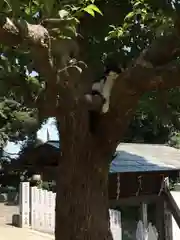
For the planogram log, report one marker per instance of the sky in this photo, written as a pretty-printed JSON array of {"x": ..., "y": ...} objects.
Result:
[{"x": 41, "y": 134}]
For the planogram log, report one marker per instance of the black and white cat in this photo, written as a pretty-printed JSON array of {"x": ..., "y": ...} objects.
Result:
[{"x": 103, "y": 89}]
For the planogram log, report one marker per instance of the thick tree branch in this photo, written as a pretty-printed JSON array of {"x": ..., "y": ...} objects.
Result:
[
  {"x": 155, "y": 69},
  {"x": 148, "y": 78},
  {"x": 36, "y": 39},
  {"x": 9, "y": 33}
]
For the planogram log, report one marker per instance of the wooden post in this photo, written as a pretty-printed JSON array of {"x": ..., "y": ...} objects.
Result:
[
  {"x": 33, "y": 209},
  {"x": 168, "y": 223},
  {"x": 160, "y": 223},
  {"x": 115, "y": 224},
  {"x": 174, "y": 207},
  {"x": 171, "y": 199},
  {"x": 144, "y": 217},
  {"x": 24, "y": 204}
]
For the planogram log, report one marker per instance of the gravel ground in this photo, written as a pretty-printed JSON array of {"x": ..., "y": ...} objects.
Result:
[
  {"x": 6, "y": 213},
  {"x": 8, "y": 232}
]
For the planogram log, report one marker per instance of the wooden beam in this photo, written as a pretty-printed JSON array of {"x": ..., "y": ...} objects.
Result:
[
  {"x": 144, "y": 214},
  {"x": 172, "y": 206},
  {"x": 167, "y": 222},
  {"x": 134, "y": 201},
  {"x": 160, "y": 223},
  {"x": 144, "y": 217},
  {"x": 150, "y": 184}
]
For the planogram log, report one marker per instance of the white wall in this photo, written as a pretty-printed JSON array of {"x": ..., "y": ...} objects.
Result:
[
  {"x": 41, "y": 206},
  {"x": 175, "y": 228}
]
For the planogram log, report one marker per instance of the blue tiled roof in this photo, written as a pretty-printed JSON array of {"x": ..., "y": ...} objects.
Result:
[
  {"x": 133, "y": 157},
  {"x": 144, "y": 158}
]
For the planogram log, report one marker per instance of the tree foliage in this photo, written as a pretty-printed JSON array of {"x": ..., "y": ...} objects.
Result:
[
  {"x": 115, "y": 32},
  {"x": 67, "y": 44},
  {"x": 17, "y": 117}
]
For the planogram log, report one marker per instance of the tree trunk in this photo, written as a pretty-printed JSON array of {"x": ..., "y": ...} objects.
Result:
[
  {"x": 82, "y": 201},
  {"x": 82, "y": 196},
  {"x": 82, "y": 185}
]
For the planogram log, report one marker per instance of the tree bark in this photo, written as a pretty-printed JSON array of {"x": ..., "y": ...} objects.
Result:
[
  {"x": 82, "y": 184},
  {"x": 82, "y": 198},
  {"x": 82, "y": 193}
]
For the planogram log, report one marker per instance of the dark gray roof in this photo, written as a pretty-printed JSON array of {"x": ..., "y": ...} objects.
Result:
[
  {"x": 53, "y": 143},
  {"x": 133, "y": 157}
]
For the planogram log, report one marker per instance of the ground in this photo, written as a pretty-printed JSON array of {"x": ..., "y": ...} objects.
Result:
[
  {"x": 7, "y": 231},
  {"x": 6, "y": 213}
]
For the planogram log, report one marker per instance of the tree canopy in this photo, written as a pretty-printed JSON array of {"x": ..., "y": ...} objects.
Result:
[
  {"x": 51, "y": 52},
  {"x": 115, "y": 32}
]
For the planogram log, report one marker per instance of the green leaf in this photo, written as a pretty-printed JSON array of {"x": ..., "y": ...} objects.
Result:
[
  {"x": 129, "y": 15},
  {"x": 112, "y": 34},
  {"x": 78, "y": 69},
  {"x": 73, "y": 21},
  {"x": 15, "y": 6},
  {"x": 137, "y": 4},
  {"x": 95, "y": 8},
  {"x": 68, "y": 31},
  {"x": 2, "y": 115},
  {"x": 107, "y": 38},
  {"x": 89, "y": 10},
  {"x": 120, "y": 33},
  {"x": 8, "y": 2},
  {"x": 63, "y": 14}
]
